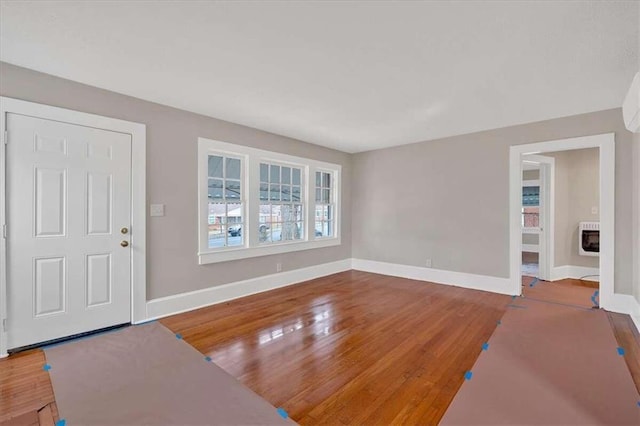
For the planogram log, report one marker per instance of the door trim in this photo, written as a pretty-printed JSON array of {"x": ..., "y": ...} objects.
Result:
[
  {"x": 138, "y": 195},
  {"x": 606, "y": 145}
]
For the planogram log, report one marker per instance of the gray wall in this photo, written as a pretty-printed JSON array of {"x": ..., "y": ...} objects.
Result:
[
  {"x": 448, "y": 199},
  {"x": 576, "y": 192},
  {"x": 172, "y": 178}
]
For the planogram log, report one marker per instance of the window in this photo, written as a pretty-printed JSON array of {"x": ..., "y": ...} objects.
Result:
[
  {"x": 281, "y": 214},
  {"x": 254, "y": 202},
  {"x": 225, "y": 207},
  {"x": 531, "y": 206},
  {"x": 324, "y": 205}
]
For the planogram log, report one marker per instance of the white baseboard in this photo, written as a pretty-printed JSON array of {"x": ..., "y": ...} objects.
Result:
[
  {"x": 575, "y": 272},
  {"x": 184, "y": 302},
  {"x": 458, "y": 279}
]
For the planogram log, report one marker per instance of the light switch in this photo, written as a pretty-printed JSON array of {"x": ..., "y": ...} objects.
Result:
[{"x": 157, "y": 209}]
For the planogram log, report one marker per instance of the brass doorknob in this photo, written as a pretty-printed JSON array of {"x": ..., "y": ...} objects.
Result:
[
  {"x": 124, "y": 243},
  {"x": 124, "y": 230}
]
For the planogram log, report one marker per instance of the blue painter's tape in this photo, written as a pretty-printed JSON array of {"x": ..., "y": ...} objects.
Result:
[
  {"x": 593, "y": 298},
  {"x": 638, "y": 403},
  {"x": 61, "y": 422},
  {"x": 534, "y": 282},
  {"x": 178, "y": 336},
  {"x": 46, "y": 367},
  {"x": 499, "y": 322},
  {"x": 621, "y": 351},
  {"x": 485, "y": 346},
  {"x": 282, "y": 413},
  {"x": 207, "y": 358},
  {"x": 513, "y": 297},
  {"x": 468, "y": 375}
]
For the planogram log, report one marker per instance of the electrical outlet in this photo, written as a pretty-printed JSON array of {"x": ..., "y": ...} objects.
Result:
[
  {"x": 428, "y": 263},
  {"x": 594, "y": 210},
  {"x": 278, "y": 267}
]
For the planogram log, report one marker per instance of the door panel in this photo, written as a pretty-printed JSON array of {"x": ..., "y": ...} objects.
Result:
[{"x": 69, "y": 194}]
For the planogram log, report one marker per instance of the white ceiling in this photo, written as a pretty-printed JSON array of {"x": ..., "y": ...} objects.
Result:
[{"x": 354, "y": 76}]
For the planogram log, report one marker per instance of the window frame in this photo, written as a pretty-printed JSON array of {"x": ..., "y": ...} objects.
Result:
[{"x": 250, "y": 182}]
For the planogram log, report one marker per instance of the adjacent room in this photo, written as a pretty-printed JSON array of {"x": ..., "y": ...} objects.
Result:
[{"x": 310, "y": 212}]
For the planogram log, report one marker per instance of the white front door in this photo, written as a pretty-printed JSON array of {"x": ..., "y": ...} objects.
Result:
[{"x": 68, "y": 219}]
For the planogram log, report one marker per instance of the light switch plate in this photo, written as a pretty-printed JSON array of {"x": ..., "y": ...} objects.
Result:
[{"x": 157, "y": 209}]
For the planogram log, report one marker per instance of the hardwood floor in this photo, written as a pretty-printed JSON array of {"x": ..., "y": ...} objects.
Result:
[
  {"x": 351, "y": 348},
  {"x": 25, "y": 389},
  {"x": 629, "y": 339}
]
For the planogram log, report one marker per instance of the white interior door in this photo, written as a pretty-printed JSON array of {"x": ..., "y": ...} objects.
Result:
[{"x": 68, "y": 220}]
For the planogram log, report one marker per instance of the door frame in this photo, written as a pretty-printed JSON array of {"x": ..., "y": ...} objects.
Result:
[
  {"x": 606, "y": 146},
  {"x": 138, "y": 195},
  {"x": 546, "y": 237}
]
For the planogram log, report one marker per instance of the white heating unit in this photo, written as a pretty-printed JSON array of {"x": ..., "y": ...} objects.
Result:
[{"x": 589, "y": 239}]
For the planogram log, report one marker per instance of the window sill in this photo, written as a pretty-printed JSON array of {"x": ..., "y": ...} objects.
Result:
[{"x": 245, "y": 253}]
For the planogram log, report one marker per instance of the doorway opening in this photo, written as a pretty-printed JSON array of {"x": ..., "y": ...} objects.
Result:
[{"x": 562, "y": 197}]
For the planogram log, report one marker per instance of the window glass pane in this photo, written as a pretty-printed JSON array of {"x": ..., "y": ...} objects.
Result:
[
  {"x": 275, "y": 174},
  {"x": 318, "y": 195},
  {"x": 329, "y": 212},
  {"x": 276, "y": 213},
  {"x": 318, "y": 179},
  {"x": 326, "y": 180},
  {"x": 232, "y": 189},
  {"x": 264, "y": 191},
  {"x": 215, "y": 166},
  {"x": 264, "y": 172},
  {"x": 295, "y": 179},
  {"x": 274, "y": 194},
  {"x": 286, "y": 193},
  {"x": 215, "y": 189},
  {"x": 295, "y": 193},
  {"x": 216, "y": 236},
  {"x": 286, "y": 175},
  {"x": 319, "y": 212},
  {"x": 531, "y": 196},
  {"x": 300, "y": 231},
  {"x": 325, "y": 196},
  {"x": 289, "y": 231},
  {"x": 264, "y": 233},
  {"x": 276, "y": 231},
  {"x": 233, "y": 168},
  {"x": 531, "y": 217},
  {"x": 298, "y": 212},
  {"x": 234, "y": 227}
]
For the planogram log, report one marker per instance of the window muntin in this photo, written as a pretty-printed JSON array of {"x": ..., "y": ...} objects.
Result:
[
  {"x": 224, "y": 201},
  {"x": 324, "y": 210},
  {"x": 281, "y": 215}
]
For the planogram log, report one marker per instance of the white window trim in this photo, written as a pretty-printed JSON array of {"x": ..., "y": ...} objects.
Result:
[{"x": 251, "y": 197}]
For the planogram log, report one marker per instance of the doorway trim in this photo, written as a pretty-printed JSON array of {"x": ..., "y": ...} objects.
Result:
[
  {"x": 606, "y": 145},
  {"x": 138, "y": 195}
]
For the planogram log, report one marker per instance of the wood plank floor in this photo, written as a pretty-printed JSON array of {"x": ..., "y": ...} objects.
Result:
[{"x": 352, "y": 348}]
